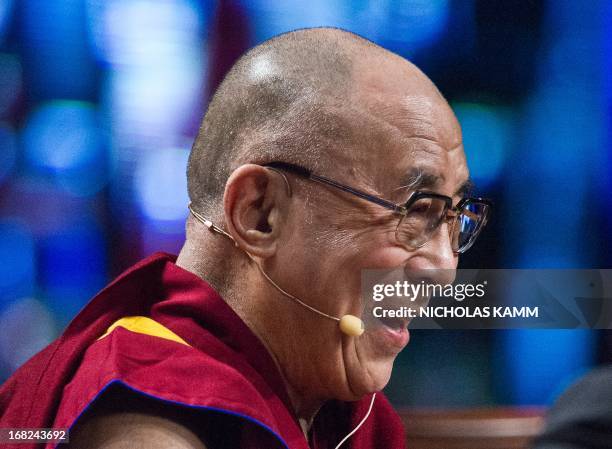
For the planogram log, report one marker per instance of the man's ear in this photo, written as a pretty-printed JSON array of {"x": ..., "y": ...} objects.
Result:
[{"x": 253, "y": 202}]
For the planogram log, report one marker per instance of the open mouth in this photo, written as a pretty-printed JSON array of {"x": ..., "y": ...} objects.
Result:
[{"x": 396, "y": 324}]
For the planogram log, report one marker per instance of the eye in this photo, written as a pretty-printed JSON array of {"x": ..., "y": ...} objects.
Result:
[{"x": 421, "y": 207}]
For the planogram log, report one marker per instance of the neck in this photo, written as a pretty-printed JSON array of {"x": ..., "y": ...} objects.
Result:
[{"x": 217, "y": 266}]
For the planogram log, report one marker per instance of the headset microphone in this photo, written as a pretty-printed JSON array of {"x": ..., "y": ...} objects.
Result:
[{"x": 349, "y": 324}]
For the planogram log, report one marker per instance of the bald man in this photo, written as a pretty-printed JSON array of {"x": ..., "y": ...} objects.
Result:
[{"x": 320, "y": 155}]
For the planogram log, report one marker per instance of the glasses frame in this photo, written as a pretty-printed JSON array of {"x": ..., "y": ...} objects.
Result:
[{"x": 451, "y": 212}]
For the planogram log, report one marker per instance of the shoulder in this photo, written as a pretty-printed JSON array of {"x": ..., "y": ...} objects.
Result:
[
  {"x": 121, "y": 418},
  {"x": 120, "y": 430}
]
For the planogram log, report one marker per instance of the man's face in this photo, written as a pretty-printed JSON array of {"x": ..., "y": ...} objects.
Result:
[{"x": 399, "y": 130}]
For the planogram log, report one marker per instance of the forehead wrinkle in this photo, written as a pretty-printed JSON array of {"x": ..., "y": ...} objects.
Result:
[
  {"x": 423, "y": 124},
  {"x": 411, "y": 125},
  {"x": 388, "y": 133},
  {"x": 379, "y": 124},
  {"x": 410, "y": 128},
  {"x": 421, "y": 177},
  {"x": 436, "y": 116},
  {"x": 416, "y": 115},
  {"x": 382, "y": 125}
]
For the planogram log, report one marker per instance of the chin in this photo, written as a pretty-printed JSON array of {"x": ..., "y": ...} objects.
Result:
[
  {"x": 368, "y": 361},
  {"x": 379, "y": 373},
  {"x": 370, "y": 376}
]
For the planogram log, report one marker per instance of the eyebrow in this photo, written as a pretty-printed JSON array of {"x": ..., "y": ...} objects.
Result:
[
  {"x": 419, "y": 178},
  {"x": 465, "y": 188}
]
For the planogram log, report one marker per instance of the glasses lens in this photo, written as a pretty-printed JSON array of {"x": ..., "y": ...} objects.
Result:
[
  {"x": 421, "y": 221},
  {"x": 468, "y": 225}
]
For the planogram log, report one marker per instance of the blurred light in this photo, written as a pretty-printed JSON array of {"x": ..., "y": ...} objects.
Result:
[
  {"x": 17, "y": 257},
  {"x": 153, "y": 106},
  {"x": 412, "y": 24},
  {"x": 551, "y": 178},
  {"x": 61, "y": 135},
  {"x": 44, "y": 206},
  {"x": 145, "y": 32},
  {"x": 161, "y": 184},
  {"x": 6, "y": 9},
  {"x": 157, "y": 58},
  {"x": 27, "y": 327},
  {"x": 554, "y": 160},
  {"x": 568, "y": 109},
  {"x": 8, "y": 151},
  {"x": 539, "y": 362},
  {"x": 604, "y": 176},
  {"x": 271, "y": 18},
  {"x": 10, "y": 82},
  {"x": 486, "y": 136},
  {"x": 166, "y": 236},
  {"x": 73, "y": 266},
  {"x": 55, "y": 50},
  {"x": 401, "y": 26},
  {"x": 62, "y": 139}
]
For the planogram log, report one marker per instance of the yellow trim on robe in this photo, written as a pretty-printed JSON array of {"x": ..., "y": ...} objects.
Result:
[{"x": 147, "y": 326}]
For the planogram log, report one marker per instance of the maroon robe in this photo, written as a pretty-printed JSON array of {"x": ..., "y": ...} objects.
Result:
[{"x": 220, "y": 367}]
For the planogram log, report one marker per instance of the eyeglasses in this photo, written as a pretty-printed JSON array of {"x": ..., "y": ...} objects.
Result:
[{"x": 421, "y": 215}]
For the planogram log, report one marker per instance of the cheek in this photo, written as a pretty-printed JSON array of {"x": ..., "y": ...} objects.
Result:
[
  {"x": 341, "y": 274},
  {"x": 333, "y": 256},
  {"x": 342, "y": 265},
  {"x": 386, "y": 257}
]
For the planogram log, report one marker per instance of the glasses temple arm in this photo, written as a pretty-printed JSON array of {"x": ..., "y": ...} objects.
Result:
[
  {"x": 306, "y": 173},
  {"x": 366, "y": 196}
]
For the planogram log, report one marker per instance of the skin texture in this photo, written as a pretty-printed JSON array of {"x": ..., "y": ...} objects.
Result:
[
  {"x": 134, "y": 431},
  {"x": 120, "y": 419},
  {"x": 314, "y": 241}
]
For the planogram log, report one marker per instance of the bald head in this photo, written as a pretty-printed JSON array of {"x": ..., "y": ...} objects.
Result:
[{"x": 287, "y": 99}]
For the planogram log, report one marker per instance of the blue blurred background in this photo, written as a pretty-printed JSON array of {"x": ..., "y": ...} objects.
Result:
[{"x": 101, "y": 99}]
